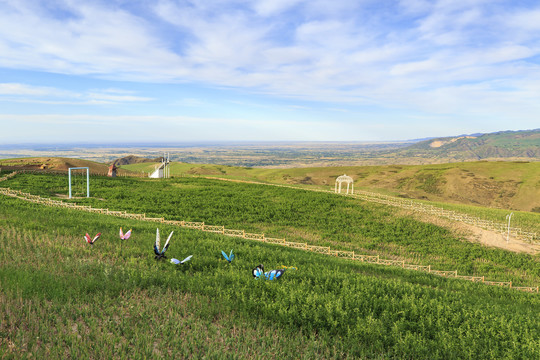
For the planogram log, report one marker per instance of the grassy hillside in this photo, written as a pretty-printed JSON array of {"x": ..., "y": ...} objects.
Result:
[
  {"x": 57, "y": 164},
  {"x": 132, "y": 159},
  {"x": 497, "y": 184},
  {"x": 504, "y": 144},
  {"x": 63, "y": 298}
]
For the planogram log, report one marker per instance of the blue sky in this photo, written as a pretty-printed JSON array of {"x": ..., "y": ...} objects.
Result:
[{"x": 254, "y": 70}]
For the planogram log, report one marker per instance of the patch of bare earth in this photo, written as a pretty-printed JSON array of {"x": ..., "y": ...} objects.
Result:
[
  {"x": 498, "y": 240},
  {"x": 475, "y": 234}
]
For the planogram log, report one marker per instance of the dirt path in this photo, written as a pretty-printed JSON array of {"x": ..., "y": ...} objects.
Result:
[
  {"x": 490, "y": 238},
  {"x": 478, "y": 235}
]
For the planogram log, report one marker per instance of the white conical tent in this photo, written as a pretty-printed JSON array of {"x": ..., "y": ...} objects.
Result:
[
  {"x": 347, "y": 179},
  {"x": 158, "y": 172}
]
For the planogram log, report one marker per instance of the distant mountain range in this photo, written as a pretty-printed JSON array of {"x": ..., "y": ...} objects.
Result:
[
  {"x": 500, "y": 145},
  {"x": 505, "y": 145}
]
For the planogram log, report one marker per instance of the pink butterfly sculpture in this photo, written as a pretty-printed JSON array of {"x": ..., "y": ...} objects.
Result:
[
  {"x": 90, "y": 240},
  {"x": 126, "y": 235}
]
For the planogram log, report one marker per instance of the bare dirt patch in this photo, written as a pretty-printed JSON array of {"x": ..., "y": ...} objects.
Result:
[
  {"x": 478, "y": 235},
  {"x": 494, "y": 239}
]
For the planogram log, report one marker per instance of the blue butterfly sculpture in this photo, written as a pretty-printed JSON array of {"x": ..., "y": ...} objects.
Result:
[
  {"x": 161, "y": 254},
  {"x": 228, "y": 258},
  {"x": 258, "y": 273}
]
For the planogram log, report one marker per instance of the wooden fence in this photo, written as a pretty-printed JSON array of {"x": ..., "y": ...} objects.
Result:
[
  {"x": 501, "y": 228},
  {"x": 373, "y": 259}
]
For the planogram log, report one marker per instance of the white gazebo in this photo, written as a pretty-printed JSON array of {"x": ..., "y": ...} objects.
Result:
[{"x": 347, "y": 179}]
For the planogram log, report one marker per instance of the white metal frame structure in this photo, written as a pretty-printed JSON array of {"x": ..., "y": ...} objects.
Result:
[
  {"x": 508, "y": 217},
  {"x": 341, "y": 179},
  {"x": 162, "y": 170},
  {"x": 167, "y": 168},
  {"x": 87, "y": 180}
]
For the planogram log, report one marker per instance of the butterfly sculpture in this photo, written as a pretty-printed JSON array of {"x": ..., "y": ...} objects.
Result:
[
  {"x": 90, "y": 240},
  {"x": 176, "y": 261},
  {"x": 126, "y": 235},
  {"x": 228, "y": 258},
  {"x": 258, "y": 273},
  {"x": 161, "y": 254}
]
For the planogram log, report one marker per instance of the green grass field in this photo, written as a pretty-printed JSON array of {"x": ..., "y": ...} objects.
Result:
[
  {"x": 322, "y": 219},
  {"x": 62, "y": 298}
]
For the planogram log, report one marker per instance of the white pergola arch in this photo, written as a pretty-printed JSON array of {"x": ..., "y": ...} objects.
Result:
[{"x": 341, "y": 179}]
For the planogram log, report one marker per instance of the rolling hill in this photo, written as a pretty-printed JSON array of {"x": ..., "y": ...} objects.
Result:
[
  {"x": 500, "y": 145},
  {"x": 132, "y": 159},
  {"x": 496, "y": 184},
  {"x": 58, "y": 164}
]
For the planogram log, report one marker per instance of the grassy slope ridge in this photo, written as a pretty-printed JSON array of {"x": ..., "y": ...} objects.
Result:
[
  {"x": 62, "y": 298},
  {"x": 503, "y": 144},
  {"x": 507, "y": 185},
  {"x": 57, "y": 164}
]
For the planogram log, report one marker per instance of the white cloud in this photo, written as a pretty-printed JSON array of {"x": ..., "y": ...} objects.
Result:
[
  {"x": 30, "y": 90},
  {"x": 273, "y": 7},
  {"x": 424, "y": 55},
  {"x": 526, "y": 20},
  {"x": 117, "y": 98},
  {"x": 16, "y": 92},
  {"x": 170, "y": 128},
  {"x": 100, "y": 41},
  {"x": 429, "y": 65},
  {"x": 191, "y": 102}
]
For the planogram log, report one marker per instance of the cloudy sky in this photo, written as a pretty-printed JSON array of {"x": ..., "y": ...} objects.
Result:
[{"x": 314, "y": 70}]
